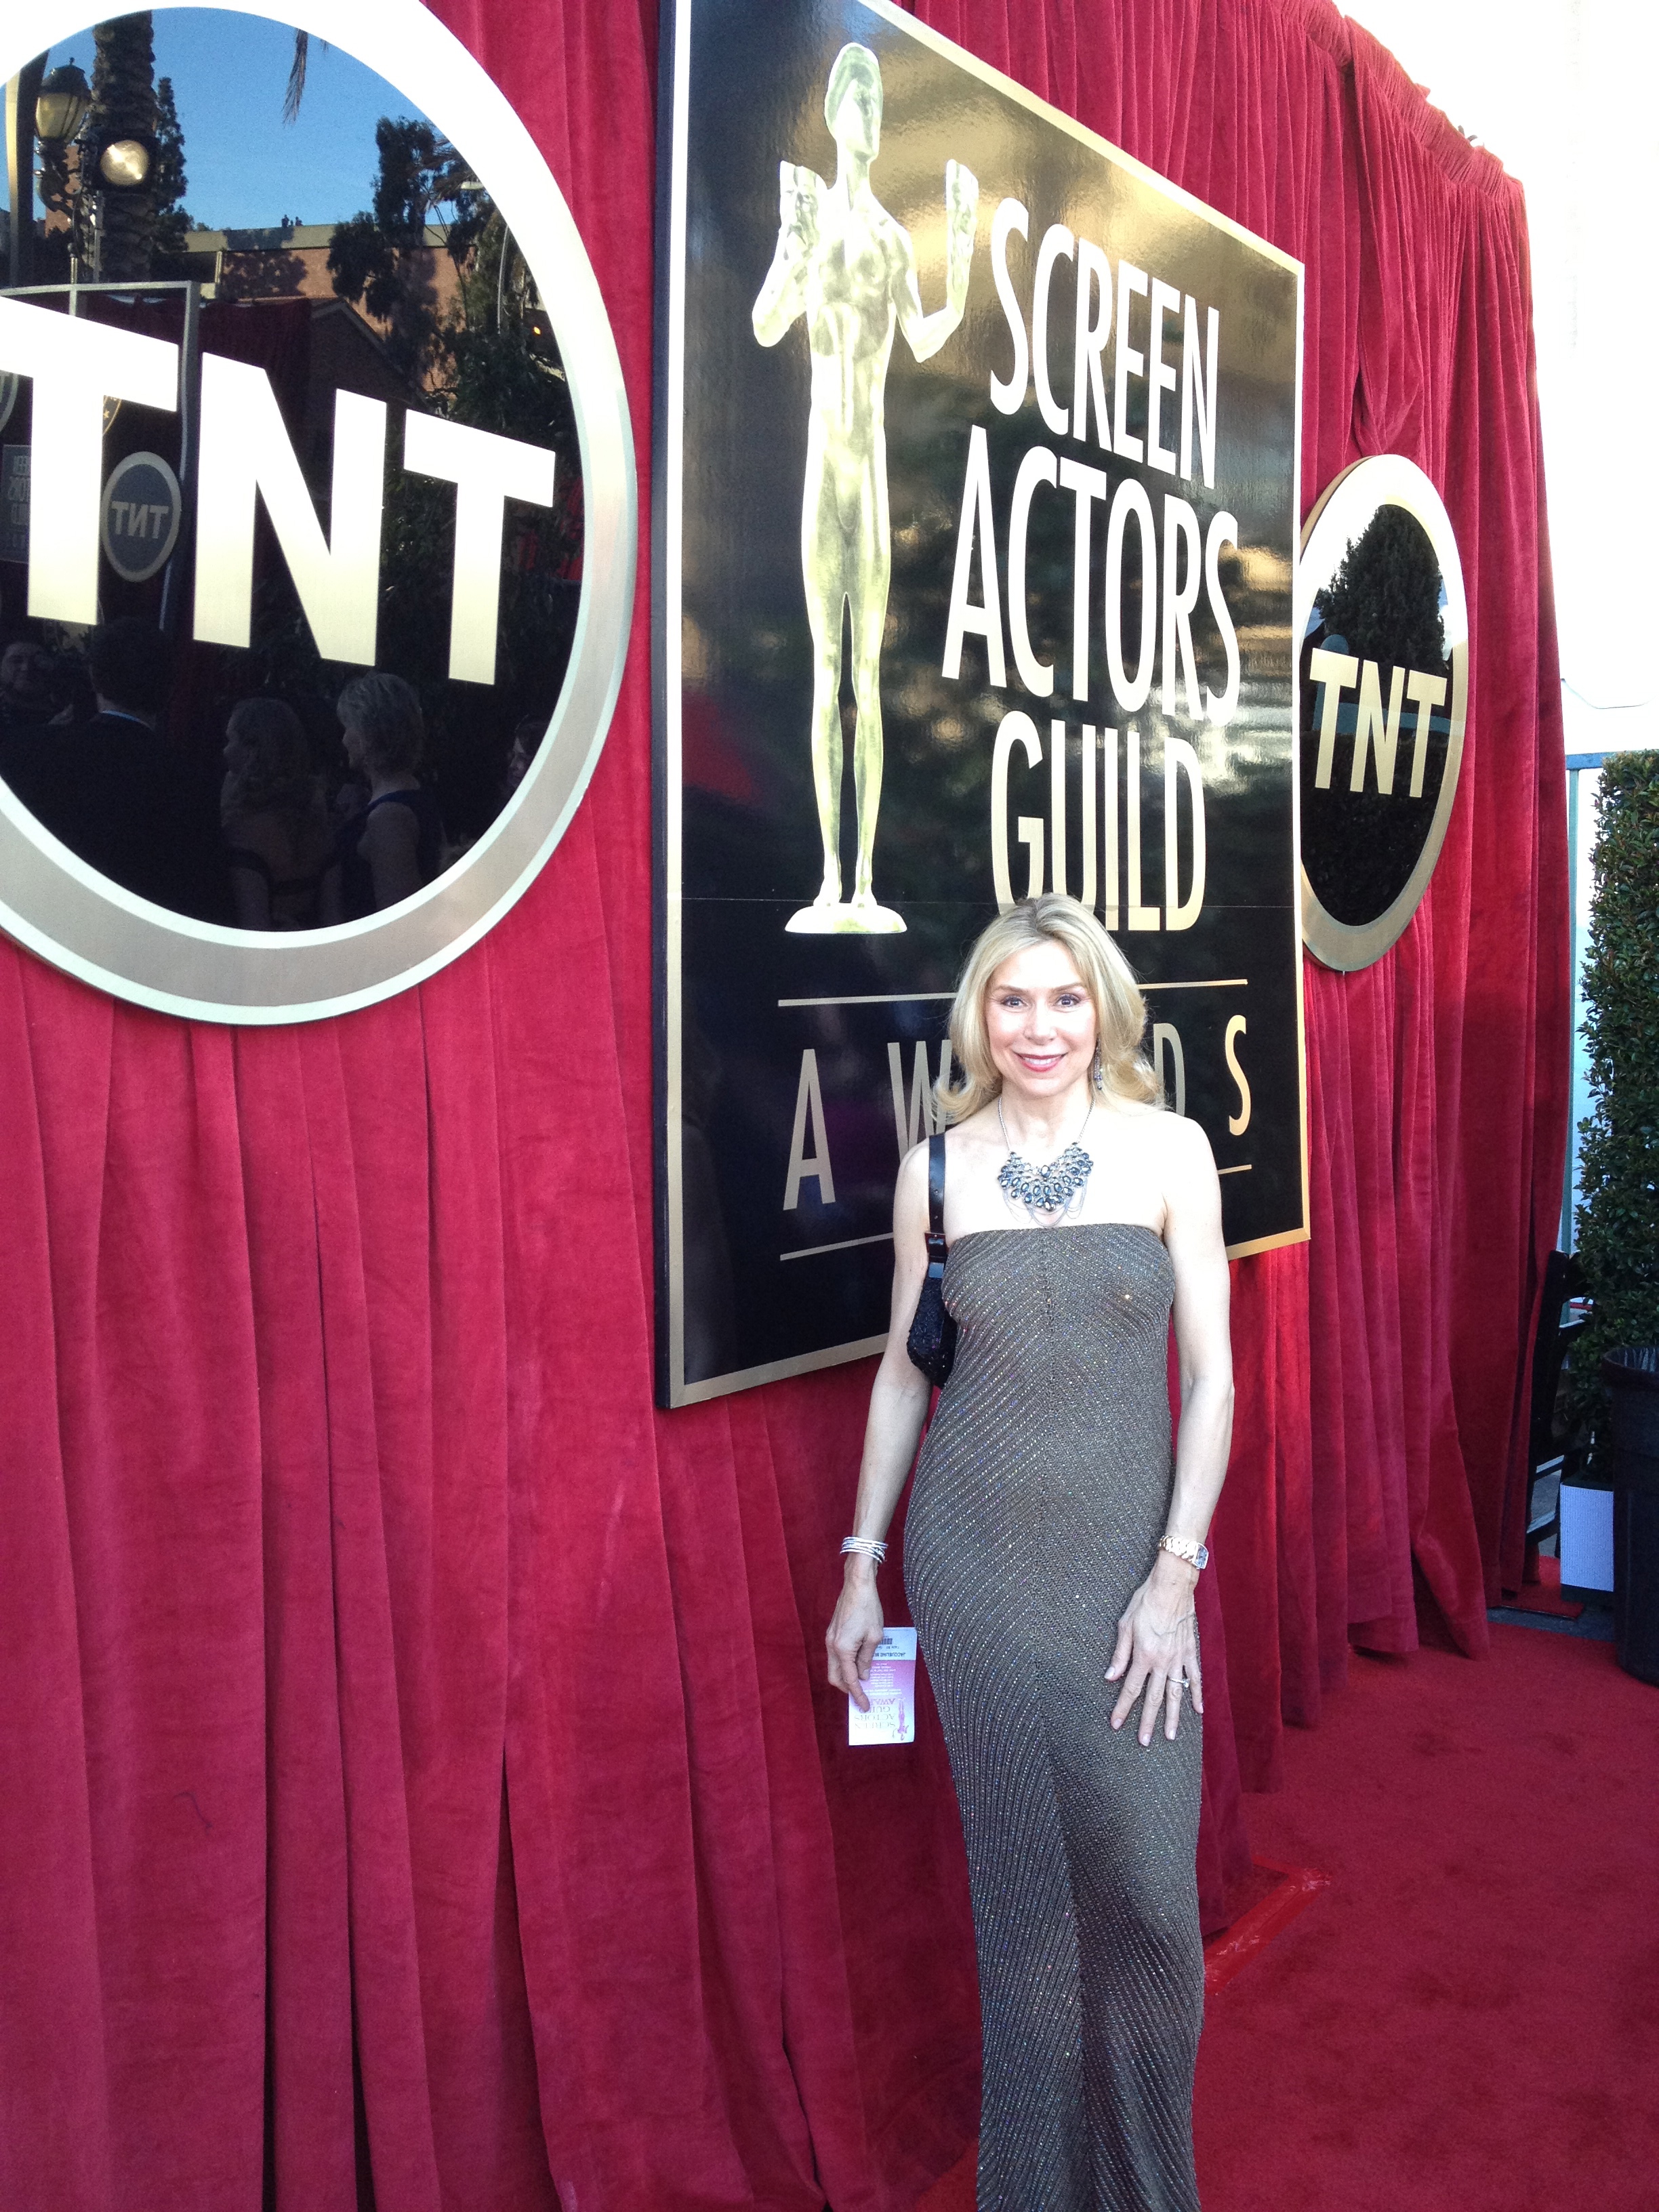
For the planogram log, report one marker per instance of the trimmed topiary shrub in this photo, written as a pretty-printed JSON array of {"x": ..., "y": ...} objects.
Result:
[{"x": 1619, "y": 1160}]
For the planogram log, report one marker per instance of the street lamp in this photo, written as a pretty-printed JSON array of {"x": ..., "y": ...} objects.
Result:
[
  {"x": 120, "y": 162},
  {"x": 61, "y": 104}
]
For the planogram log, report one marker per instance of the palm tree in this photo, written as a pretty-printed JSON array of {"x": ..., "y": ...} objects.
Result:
[
  {"x": 296, "y": 75},
  {"x": 124, "y": 106}
]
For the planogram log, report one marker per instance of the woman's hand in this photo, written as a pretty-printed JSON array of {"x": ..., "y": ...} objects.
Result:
[
  {"x": 1156, "y": 1646},
  {"x": 854, "y": 1632}
]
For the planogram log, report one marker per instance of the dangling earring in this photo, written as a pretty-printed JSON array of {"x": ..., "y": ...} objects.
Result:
[{"x": 1097, "y": 1071}]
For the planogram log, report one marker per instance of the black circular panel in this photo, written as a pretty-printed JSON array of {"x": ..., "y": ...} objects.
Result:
[{"x": 1382, "y": 684}]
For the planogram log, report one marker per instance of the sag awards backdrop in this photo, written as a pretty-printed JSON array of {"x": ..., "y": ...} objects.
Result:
[{"x": 416, "y": 1762}]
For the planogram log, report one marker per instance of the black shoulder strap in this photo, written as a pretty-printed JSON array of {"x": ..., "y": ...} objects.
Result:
[{"x": 935, "y": 1192}]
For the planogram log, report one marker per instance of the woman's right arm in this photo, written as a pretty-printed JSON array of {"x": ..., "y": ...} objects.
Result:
[{"x": 898, "y": 1406}]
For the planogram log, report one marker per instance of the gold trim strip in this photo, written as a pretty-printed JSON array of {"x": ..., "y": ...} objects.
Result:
[
  {"x": 1267, "y": 1243},
  {"x": 1202, "y": 983},
  {"x": 1271, "y": 1245},
  {"x": 672, "y": 645},
  {"x": 872, "y": 999},
  {"x": 780, "y": 1371},
  {"x": 847, "y": 1244}
]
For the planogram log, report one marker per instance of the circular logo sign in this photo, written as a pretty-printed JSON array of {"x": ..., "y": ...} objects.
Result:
[
  {"x": 328, "y": 563},
  {"x": 139, "y": 526},
  {"x": 1383, "y": 685}
]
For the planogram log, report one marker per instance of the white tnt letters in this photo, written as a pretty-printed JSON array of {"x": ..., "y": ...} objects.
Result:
[
  {"x": 1376, "y": 728},
  {"x": 76, "y": 365},
  {"x": 486, "y": 471},
  {"x": 245, "y": 449}
]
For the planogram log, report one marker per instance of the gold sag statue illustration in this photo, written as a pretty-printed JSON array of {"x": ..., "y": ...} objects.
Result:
[{"x": 843, "y": 262}]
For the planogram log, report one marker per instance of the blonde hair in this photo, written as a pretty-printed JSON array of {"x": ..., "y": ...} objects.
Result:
[{"x": 1121, "y": 1069}]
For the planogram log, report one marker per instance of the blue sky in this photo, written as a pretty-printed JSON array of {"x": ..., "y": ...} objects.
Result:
[{"x": 246, "y": 166}]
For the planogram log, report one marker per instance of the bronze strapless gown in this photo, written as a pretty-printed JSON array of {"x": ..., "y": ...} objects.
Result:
[{"x": 1041, "y": 1492}]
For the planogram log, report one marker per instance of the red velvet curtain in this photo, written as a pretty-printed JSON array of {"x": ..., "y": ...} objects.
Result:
[{"x": 414, "y": 1770}]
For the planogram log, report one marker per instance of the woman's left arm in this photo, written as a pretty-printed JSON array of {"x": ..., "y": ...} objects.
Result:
[{"x": 1157, "y": 1640}]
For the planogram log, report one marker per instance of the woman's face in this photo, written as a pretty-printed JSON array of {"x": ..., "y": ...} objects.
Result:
[
  {"x": 1040, "y": 1022},
  {"x": 355, "y": 745}
]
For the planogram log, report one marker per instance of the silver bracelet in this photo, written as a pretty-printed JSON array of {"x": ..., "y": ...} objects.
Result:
[{"x": 869, "y": 1547}]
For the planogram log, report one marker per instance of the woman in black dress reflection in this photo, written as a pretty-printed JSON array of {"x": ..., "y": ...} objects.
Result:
[
  {"x": 394, "y": 844},
  {"x": 279, "y": 845}
]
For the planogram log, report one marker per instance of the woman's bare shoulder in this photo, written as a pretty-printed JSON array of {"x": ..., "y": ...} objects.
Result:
[
  {"x": 912, "y": 1171},
  {"x": 1177, "y": 1146},
  {"x": 1192, "y": 1192},
  {"x": 1132, "y": 1110},
  {"x": 976, "y": 1129}
]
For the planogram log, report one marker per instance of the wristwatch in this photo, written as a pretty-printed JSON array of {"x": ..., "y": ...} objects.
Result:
[{"x": 1195, "y": 1555}]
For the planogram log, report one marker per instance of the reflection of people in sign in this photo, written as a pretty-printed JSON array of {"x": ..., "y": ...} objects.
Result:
[
  {"x": 395, "y": 845},
  {"x": 843, "y": 263},
  {"x": 278, "y": 840}
]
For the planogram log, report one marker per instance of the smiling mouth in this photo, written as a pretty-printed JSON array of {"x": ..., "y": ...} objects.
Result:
[{"x": 1040, "y": 1062}]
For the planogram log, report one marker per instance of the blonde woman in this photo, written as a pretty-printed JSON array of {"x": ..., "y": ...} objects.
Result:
[{"x": 1052, "y": 1552}]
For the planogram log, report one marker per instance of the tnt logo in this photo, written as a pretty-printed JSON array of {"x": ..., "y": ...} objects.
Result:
[
  {"x": 1376, "y": 730},
  {"x": 139, "y": 523},
  {"x": 1383, "y": 622}
]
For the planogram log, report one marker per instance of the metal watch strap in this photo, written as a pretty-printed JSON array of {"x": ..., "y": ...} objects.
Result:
[{"x": 1183, "y": 1547}]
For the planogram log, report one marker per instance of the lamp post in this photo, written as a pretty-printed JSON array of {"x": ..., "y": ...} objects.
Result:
[
  {"x": 115, "y": 163},
  {"x": 61, "y": 104},
  {"x": 60, "y": 109},
  {"x": 21, "y": 93}
]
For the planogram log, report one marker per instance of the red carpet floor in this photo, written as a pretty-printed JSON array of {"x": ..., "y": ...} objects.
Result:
[{"x": 1467, "y": 2019}]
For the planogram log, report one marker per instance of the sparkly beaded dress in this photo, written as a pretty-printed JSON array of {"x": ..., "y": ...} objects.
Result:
[{"x": 1041, "y": 1492}]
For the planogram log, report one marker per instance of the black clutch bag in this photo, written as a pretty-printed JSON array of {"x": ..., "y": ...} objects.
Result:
[{"x": 933, "y": 1339}]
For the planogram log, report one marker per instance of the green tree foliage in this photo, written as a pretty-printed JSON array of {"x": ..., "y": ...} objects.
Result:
[
  {"x": 487, "y": 360},
  {"x": 1385, "y": 598},
  {"x": 1619, "y": 1170},
  {"x": 171, "y": 216},
  {"x": 419, "y": 172},
  {"x": 494, "y": 366}
]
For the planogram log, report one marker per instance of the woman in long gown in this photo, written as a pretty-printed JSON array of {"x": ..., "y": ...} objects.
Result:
[{"x": 1052, "y": 1552}]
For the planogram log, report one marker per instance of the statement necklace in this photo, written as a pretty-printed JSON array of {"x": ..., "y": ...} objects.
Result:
[{"x": 1050, "y": 1190}]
